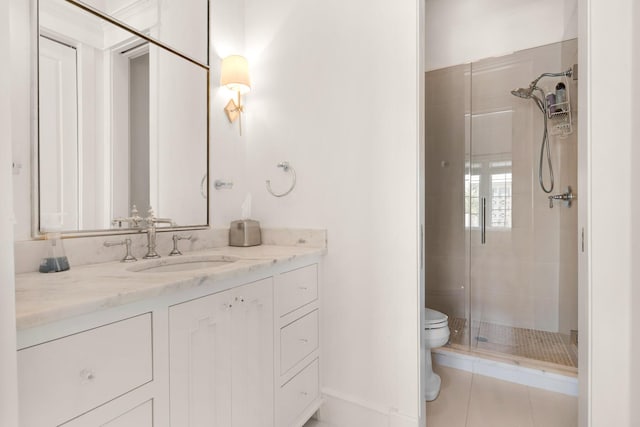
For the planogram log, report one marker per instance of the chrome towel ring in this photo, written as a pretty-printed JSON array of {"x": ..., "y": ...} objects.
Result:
[{"x": 286, "y": 167}]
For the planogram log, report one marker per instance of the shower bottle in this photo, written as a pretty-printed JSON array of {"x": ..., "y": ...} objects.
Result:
[{"x": 561, "y": 95}]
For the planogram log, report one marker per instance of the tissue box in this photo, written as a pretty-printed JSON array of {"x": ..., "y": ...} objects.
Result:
[{"x": 245, "y": 232}]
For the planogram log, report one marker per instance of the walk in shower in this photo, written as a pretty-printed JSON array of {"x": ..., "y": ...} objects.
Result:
[{"x": 501, "y": 229}]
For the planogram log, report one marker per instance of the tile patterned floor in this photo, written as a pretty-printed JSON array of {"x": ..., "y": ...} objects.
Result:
[
  {"x": 544, "y": 346},
  {"x": 471, "y": 400}
]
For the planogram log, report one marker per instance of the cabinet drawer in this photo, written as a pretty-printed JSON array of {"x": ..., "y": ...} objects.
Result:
[
  {"x": 139, "y": 416},
  {"x": 297, "y": 394},
  {"x": 298, "y": 340},
  {"x": 296, "y": 288},
  {"x": 64, "y": 378}
]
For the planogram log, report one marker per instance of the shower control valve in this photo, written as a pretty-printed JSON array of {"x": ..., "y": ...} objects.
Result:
[{"x": 567, "y": 197}]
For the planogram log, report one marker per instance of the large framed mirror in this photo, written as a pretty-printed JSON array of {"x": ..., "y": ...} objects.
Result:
[{"x": 123, "y": 121}]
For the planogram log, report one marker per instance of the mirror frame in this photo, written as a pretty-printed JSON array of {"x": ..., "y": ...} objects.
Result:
[{"x": 37, "y": 234}]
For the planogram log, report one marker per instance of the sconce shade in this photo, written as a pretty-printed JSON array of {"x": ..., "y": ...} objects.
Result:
[{"x": 235, "y": 74}]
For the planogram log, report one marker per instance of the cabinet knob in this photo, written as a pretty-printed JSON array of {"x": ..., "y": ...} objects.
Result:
[
  {"x": 304, "y": 340},
  {"x": 304, "y": 393},
  {"x": 303, "y": 288}
]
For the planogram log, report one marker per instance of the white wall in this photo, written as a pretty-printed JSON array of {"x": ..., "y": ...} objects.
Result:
[
  {"x": 635, "y": 226},
  {"x": 468, "y": 30},
  {"x": 8, "y": 384},
  {"x": 336, "y": 94},
  {"x": 228, "y": 150},
  {"x": 611, "y": 42},
  {"x": 20, "y": 51},
  {"x": 178, "y": 153}
]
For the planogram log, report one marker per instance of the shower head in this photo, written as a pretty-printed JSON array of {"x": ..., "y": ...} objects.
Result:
[
  {"x": 522, "y": 93},
  {"x": 529, "y": 93}
]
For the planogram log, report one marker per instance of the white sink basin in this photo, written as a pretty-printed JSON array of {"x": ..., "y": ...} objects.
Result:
[{"x": 172, "y": 265}]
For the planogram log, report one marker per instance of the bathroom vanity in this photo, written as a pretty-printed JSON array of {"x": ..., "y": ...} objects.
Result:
[{"x": 231, "y": 344}]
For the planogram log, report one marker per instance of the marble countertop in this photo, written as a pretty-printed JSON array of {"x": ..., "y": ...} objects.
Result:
[{"x": 45, "y": 298}]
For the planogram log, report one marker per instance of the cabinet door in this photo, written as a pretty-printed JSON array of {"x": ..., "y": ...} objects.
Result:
[
  {"x": 200, "y": 362},
  {"x": 252, "y": 355}
]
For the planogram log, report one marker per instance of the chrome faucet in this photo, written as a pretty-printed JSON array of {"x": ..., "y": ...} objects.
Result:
[{"x": 151, "y": 222}]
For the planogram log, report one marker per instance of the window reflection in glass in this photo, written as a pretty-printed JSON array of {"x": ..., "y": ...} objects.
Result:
[{"x": 492, "y": 178}]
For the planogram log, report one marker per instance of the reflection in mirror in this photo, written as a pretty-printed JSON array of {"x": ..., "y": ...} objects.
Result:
[
  {"x": 176, "y": 23},
  {"x": 122, "y": 122}
]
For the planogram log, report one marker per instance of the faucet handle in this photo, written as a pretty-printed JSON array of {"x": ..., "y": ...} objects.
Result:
[
  {"x": 153, "y": 219},
  {"x": 135, "y": 217},
  {"x": 133, "y": 221},
  {"x": 150, "y": 214},
  {"x": 118, "y": 221},
  {"x": 176, "y": 238},
  {"x": 127, "y": 242}
]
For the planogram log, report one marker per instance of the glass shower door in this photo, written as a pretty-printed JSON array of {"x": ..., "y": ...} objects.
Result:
[
  {"x": 448, "y": 95},
  {"x": 498, "y": 277},
  {"x": 500, "y": 262},
  {"x": 516, "y": 241}
]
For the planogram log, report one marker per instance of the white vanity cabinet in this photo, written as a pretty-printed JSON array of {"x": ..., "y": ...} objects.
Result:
[
  {"x": 241, "y": 351},
  {"x": 64, "y": 378},
  {"x": 297, "y": 346},
  {"x": 221, "y": 358}
]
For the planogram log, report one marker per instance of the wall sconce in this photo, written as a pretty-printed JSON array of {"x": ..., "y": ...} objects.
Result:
[{"x": 234, "y": 76}]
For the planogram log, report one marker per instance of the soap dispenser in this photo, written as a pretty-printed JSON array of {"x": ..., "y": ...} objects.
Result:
[{"x": 56, "y": 259}]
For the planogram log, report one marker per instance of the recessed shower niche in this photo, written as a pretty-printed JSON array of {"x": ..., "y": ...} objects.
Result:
[{"x": 500, "y": 261}]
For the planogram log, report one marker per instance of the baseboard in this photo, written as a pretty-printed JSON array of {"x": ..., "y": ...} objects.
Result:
[
  {"x": 341, "y": 410},
  {"x": 531, "y": 377}
]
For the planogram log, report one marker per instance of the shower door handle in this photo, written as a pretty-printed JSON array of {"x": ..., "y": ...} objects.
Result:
[{"x": 483, "y": 224}]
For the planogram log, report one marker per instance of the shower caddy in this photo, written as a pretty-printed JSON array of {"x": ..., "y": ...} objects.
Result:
[{"x": 561, "y": 122}]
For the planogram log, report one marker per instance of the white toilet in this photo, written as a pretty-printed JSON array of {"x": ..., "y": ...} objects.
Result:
[{"x": 436, "y": 334}]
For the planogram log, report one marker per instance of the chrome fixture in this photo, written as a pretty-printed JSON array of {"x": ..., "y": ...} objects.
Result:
[
  {"x": 567, "y": 197},
  {"x": 176, "y": 238},
  {"x": 483, "y": 226},
  {"x": 151, "y": 222},
  {"x": 530, "y": 93},
  {"x": 127, "y": 242},
  {"x": 534, "y": 84},
  {"x": 286, "y": 167},
  {"x": 134, "y": 220},
  {"x": 219, "y": 184}
]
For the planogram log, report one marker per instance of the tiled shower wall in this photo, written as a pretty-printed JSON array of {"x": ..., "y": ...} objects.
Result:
[{"x": 526, "y": 274}]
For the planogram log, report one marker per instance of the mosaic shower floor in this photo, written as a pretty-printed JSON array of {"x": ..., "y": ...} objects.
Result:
[{"x": 543, "y": 346}]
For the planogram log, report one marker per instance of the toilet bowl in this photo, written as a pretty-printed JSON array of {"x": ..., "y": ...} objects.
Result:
[{"x": 436, "y": 334}]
